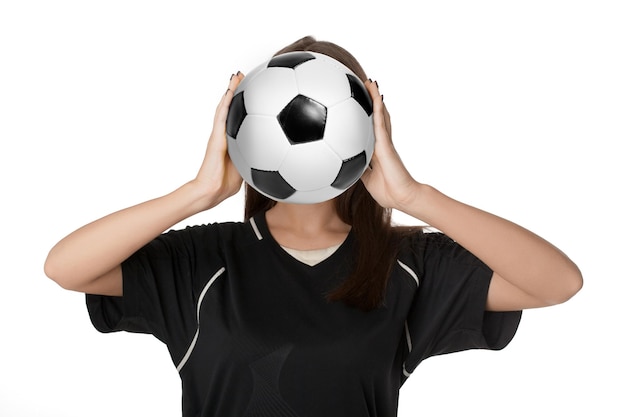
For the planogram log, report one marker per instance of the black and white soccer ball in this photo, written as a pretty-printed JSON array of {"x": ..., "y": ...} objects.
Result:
[{"x": 300, "y": 128}]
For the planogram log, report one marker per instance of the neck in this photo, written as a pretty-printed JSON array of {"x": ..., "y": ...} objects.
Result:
[{"x": 306, "y": 226}]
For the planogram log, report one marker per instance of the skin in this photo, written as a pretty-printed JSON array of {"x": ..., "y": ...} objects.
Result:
[{"x": 529, "y": 272}]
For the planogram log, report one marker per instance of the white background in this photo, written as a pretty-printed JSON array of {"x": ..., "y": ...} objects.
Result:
[{"x": 518, "y": 108}]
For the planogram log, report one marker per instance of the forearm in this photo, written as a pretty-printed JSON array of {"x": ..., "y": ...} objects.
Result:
[
  {"x": 96, "y": 250},
  {"x": 100, "y": 246},
  {"x": 519, "y": 256}
]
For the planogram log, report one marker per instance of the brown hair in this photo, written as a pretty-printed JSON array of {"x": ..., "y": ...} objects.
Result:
[{"x": 376, "y": 241}]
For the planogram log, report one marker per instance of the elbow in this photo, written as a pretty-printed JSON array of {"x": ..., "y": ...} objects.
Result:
[
  {"x": 52, "y": 271},
  {"x": 55, "y": 271},
  {"x": 570, "y": 283},
  {"x": 577, "y": 284}
]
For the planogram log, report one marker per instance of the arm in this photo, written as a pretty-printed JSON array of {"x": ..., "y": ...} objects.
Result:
[
  {"x": 528, "y": 271},
  {"x": 89, "y": 259}
]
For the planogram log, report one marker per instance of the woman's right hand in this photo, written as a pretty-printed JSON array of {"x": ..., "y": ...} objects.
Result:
[
  {"x": 89, "y": 259},
  {"x": 218, "y": 177}
]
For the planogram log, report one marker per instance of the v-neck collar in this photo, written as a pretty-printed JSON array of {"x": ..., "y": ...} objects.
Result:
[{"x": 261, "y": 229}]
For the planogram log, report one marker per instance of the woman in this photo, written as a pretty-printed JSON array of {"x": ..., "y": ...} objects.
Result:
[{"x": 307, "y": 310}]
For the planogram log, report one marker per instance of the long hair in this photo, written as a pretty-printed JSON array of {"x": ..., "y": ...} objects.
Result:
[{"x": 376, "y": 241}]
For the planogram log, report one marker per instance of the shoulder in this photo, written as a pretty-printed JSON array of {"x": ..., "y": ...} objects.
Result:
[
  {"x": 202, "y": 237},
  {"x": 408, "y": 262},
  {"x": 431, "y": 245},
  {"x": 425, "y": 252},
  {"x": 222, "y": 229}
]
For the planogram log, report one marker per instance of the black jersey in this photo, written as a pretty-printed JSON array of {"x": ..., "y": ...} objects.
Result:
[{"x": 251, "y": 333}]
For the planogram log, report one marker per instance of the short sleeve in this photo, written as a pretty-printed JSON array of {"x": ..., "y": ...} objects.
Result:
[
  {"x": 448, "y": 312},
  {"x": 159, "y": 286}
]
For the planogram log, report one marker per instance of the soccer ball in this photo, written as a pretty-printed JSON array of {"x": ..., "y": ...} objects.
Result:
[{"x": 300, "y": 128}]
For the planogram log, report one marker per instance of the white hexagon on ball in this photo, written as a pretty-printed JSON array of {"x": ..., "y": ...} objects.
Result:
[
  {"x": 310, "y": 166},
  {"x": 262, "y": 142},
  {"x": 348, "y": 128},
  {"x": 269, "y": 91},
  {"x": 321, "y": 80}
]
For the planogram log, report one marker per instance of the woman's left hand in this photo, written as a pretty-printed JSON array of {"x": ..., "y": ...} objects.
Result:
[
  {"x": 528, "y": 271},
  {"x": 386, "y": 179}
]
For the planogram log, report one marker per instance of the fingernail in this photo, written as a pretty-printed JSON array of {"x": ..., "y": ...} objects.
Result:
[
  {"x": 382, "y": 97},
  {"x": 376, "y": 82},
  {"x": 238, "y": 73},
  {"x": 231, "y": 76}
]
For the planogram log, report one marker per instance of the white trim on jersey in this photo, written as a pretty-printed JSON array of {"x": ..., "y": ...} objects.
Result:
[
  {"x": 407, "y": 334},
  {"x": 256, "y": 229},
  {"x": 410, "y": 271},
  {"x": 409, "y": 345},
  {"x": 404, "y": 371},
  {"x": 195, "y": 338}
]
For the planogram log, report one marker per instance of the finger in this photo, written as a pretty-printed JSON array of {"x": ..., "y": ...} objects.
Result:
[
  {"x": 235, "y": 79},
  {"x": 372, "y": 88},
  {"x": 377, "y": 99},
  {"x": 387, "y": 118},
  {"x": 380, "y": 114},
  {"x": 222, "y": 108}
]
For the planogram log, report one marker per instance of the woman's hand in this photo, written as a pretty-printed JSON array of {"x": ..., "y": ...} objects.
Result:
[
  {"x": 89, "y": 259},
  {"x": 386, "y": 179},
  {"x": 218, "y": 177},
  {"x": 528, "y": 271}
]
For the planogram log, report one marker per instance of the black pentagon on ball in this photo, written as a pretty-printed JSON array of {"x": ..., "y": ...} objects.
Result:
[
  {"x": 351, "y": 170},
  {"x": 290, "y": 59},
  {"x": 272, "y": 183},
  {"x": 303, "y": 120},
  {"x": 236, "y": 114},
  {"x": 360, "y": 94}
]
